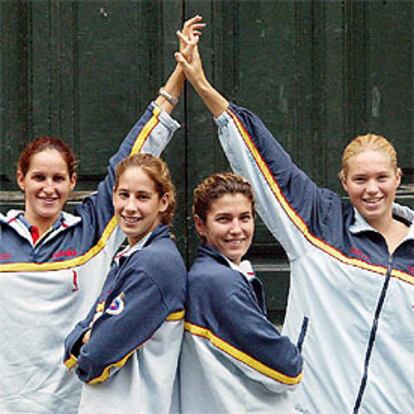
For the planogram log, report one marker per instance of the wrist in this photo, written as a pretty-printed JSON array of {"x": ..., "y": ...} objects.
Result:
[{"x": 173, "y": 100}]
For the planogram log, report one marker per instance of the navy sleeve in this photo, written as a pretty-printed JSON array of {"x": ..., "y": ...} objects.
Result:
[
  {"x": 253, "y": 340},
  {"x": 128, "y": 321}
]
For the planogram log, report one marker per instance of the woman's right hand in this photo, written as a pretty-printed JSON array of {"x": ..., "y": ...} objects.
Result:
[
  {"x": 190, "y": 60},
  {"x": 191, "y": 31}
]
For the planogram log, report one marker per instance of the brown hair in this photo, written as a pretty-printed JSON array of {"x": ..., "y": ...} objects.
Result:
[
  {"x": 367, "y": 142},
  {"x": 214, "y": 187},
  {"x": 43, "y": 143},
  {"x": 159, "y": 173}
]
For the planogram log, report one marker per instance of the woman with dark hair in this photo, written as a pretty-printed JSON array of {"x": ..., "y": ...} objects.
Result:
[
  {"x": 53, "y": 263},
  {"x": 233, "y": 359}
]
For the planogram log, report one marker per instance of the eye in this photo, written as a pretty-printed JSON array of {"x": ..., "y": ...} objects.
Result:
[
  {"x": 59, "y": 178},
  {"x": 222, "y": 219},
  {"x": 383, "y": 178},
  {"x": 122, "y": 195},
  {"x": 359, "y": 180},
  {"x": 245, "y": 218},
  {"x": 144, "y": 197},
  {"x": 38, "y": 177}
]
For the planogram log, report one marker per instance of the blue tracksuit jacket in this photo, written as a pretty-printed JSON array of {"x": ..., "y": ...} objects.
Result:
[
  {"x": 130, "y": 361},
  {"x": 233, "y": 359}
]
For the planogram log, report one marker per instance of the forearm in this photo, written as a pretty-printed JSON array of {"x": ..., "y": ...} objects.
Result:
[
  {"x": 174, "y": 87},
  {"x": 215, "y": 102}
]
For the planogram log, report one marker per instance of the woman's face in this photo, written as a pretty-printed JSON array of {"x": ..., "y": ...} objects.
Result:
[
  {"x": 229, "y": 226},
  {"x": 137, "y": 204},
  {"x": 46, "y": 186},
  {"x": 371, "y": 183}
]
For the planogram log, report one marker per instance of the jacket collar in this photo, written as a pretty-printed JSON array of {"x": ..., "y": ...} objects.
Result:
[
  {"x": 207, "y": 250},
  {"x": 360, "y": 225},
  {"x": 159, "y": 232},
  {"x": 245, "y": 267},
  {"x": 22, "y": 227}
]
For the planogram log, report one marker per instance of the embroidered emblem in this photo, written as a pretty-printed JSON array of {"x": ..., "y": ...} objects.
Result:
[
  {"x": 64, "y": 253},
  {"x": 117, "y": 305}
]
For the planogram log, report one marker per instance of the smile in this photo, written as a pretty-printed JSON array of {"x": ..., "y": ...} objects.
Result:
[
  {"x": 235, "y": 241},
  {"x": 373, "y": 201},
  {"x": 131, "y": 220},
  {"x": 48, "y": 199}
]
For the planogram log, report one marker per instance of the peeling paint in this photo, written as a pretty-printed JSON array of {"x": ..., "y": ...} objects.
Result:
[
  {"x": 376, "y": 102},
  {"x": 103, "y": 12}
]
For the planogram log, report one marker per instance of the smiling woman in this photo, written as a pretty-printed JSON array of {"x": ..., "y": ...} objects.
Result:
[
  {"x": 135, "y": 328},
  {"x": 144, "y": 196},
  {"x": 227, "y": 333},
  {"x": 224, "y": 213},
  {"x": 371, "y": 177},
  {"x": 46, "y": 175},
  {"x": 53, "y": 263}
]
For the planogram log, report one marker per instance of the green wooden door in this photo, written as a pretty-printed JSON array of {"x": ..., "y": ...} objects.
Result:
[{"x": 317, "y": 72}]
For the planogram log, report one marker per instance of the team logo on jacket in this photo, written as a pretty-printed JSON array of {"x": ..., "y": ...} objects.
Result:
[{"x": 117, "y": 305}]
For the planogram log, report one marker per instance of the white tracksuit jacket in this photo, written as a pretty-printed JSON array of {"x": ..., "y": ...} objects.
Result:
[{"x": 358, "y": 299}]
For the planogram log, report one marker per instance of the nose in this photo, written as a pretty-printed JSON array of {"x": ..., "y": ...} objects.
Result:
[
  {"x": 371, "y": 187},
  {"x": 130, "y": 204},
  {"x": 49, "y": 187},
  {"x": 235, "y": 228}
]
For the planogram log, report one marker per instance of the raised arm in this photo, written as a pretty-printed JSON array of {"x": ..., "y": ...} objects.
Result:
[
  {"x": 194, "y": 72},
  {"x": 288, "y": 201},
  {"x": 151, "y": 134},
  {"x": 173, "y": 88}
]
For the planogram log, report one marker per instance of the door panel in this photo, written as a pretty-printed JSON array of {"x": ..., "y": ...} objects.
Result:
[{"x": 317, "y": 73}]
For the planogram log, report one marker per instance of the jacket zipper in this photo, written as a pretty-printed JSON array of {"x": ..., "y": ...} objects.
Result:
[{"x": 372, "y": 336}]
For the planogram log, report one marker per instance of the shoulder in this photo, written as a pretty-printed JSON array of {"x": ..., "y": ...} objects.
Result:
[
  {"x": 161, "y": 262},
  {"x": 161, "y": 252},
  {"x": 209, "y": 275}
]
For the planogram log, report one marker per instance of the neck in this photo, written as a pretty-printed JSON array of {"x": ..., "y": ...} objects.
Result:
[
  {"x": 382, "y": 225},
  {"x": 42, "y": 225}
]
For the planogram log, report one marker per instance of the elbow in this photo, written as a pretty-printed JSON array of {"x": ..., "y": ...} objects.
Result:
[{"x": 291, "y": 368}]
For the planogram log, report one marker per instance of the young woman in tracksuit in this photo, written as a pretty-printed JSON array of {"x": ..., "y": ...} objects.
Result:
[
  {"x": 126, "y": 349},
  {"x": 52, "y": 263},
  {"x": 352, "y": 262},
  {"x": 233, "y": 359}
]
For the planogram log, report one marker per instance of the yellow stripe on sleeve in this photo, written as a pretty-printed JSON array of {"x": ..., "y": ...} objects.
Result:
[{"x": 241, "y": 356}]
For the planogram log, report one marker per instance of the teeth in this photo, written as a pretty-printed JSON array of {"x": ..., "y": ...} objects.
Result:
[{"x": 130, "y": 219}]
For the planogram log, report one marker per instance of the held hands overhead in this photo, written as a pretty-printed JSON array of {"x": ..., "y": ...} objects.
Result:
[
  {"x": 169, "y": 94},
  {"x": 189, "y": 60}
]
